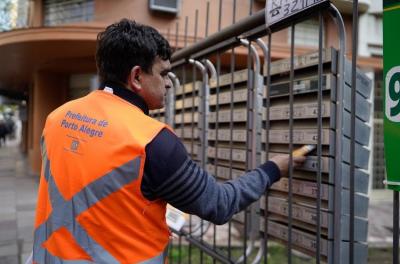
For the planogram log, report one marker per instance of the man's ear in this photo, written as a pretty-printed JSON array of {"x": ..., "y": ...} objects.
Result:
[{"x": 134, "y": 81}]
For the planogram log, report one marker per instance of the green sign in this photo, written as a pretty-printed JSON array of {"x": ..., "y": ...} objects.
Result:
[{"x": 391, "y": 71}]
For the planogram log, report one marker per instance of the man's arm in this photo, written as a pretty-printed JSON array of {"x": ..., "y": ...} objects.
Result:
[{"x": 171, "y": 175}]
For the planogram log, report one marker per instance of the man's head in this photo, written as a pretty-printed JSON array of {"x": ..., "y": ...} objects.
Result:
[{"x": 138, "y": 57}]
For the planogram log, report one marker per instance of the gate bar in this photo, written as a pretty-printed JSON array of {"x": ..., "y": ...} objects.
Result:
[
  {"x": 267, "y": 127},
  {"x": 217, "y": 106},
  {"x": 250, "y": 159},
  {"x": 396, "y": 227},
  {"x": 170, "y": 106},
  {"x": 319, "y": 131},
  {"x": 290, "y": 172},
  {"x": 182, "y": 114},
  {"x": 232, "y": 87},
  {"x": 241, "y": 26},
  {"x": 353, "y": 126},
  {"x": 204, "y": 248},
  {"x": 338, "y": 151},
  {"x": 264, "y": 48},
  {"x": 227, "y": 37}
]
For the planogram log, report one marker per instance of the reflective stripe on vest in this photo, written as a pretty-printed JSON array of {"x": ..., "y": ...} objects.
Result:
[
  {"x": 158, "y": 259},
  {"x": 64, "y": 213}
]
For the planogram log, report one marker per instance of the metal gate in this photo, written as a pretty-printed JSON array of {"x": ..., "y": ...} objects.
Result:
[{"x": 232, "y": 120}]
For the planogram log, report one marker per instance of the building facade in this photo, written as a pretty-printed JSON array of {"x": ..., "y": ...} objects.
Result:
[{"x": 47, "y": 46}]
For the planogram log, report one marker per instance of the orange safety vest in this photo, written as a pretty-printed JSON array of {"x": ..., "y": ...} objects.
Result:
[{"x": 90, "y": 205}]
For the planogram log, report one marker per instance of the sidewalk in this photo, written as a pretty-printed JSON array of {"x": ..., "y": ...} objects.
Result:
[
  {"x": 380, "y": 217},
  {"x": 17, "y": 202}
]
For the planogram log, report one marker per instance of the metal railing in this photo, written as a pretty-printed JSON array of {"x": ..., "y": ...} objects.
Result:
[{"x": 237, "y": 119}]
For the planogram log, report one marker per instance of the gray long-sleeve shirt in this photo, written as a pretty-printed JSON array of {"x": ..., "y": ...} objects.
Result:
[{"x": 172, "y": 176}]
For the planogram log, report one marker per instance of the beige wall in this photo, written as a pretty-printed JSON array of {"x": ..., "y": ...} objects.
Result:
[
  {"x": 332, "y": 35},
  {"x": 49, "y": 91},
  {"x": 107, "y": 12},
  {"x": 111, "y": 11}
]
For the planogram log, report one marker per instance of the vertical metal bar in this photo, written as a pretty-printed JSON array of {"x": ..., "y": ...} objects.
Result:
[
  {"x": 248, "y": 157},
  {"x": 232, "y": 70},
  {"x": 251, "y": 2},
  {"x": 196, "y": 20},
  {"x": 183, "y": 124},
  {"x": 217, "y": 113},
  {"x": 248, "y": 138},
  {"x": 169, "y": 34},
  {"x": 319, "y": 137},
  {"x": 170, "y": 248},
  {"x": 176, "y": 35},
  {"x": 202, "y": 159},
  {"x": 180, "y": 250},
  {"x": 338, "y": 148},
  {"x": 202, "y": 124},
  {"x": 182, "y": 127},
  {"x": 170, "y": 111},
  {"x": 180, "y": 237},
  {"x": 256, "y": 140},
  {"x": 216, "y": 146},
  {"x": 194, "y": 78},
  {"x": 220, "y": 15},
  {"x": 265, "y": 51},
  {"x": 251, "y": 142},
  {"x": 234, "y": 12},
  {"x": 186, "y": 31},
  {"x": 206, "y": 34},
  {"x": 396, "y": 227},
  {"x": 267, "y": 127},
  {"x": 290, "y": 209},
  {"x": 353, "y": 125},
  {"x": 207, "y": 18}
]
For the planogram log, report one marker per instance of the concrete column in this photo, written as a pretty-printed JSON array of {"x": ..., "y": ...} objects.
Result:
[
  {"x": 35, "y": 13},
  {"x": 49, "y": 92}
]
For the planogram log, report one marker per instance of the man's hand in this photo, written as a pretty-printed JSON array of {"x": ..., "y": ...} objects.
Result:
[{"x": 282, "y": 161}]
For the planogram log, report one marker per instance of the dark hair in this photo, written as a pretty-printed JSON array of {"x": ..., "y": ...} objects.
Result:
[{"x": 126, "y": 44}]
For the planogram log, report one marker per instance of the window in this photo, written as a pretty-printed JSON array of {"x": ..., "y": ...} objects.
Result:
[
  {"x": 306, "y": 33},
  {"x": 6, "y": 15},
  {"x": 168, "y": 6},
  {"x": 13, "y": 14},
  {"x": 58, "y": 12},
  {"x": 81, "y": 84}
]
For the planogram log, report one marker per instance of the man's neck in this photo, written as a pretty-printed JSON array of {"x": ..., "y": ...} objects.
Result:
[{"x": 123, "y": 92}]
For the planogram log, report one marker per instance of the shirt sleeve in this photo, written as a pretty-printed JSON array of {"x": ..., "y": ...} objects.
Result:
[{"x": 172, "y": 176}]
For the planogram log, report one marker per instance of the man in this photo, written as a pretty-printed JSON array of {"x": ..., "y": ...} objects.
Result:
[
  {"x": 109, "y": 169},
  {"x": 3, "y": 131}
]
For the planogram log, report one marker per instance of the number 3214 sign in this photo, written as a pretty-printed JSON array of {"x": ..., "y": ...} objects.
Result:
[{"x": 277, "y": 10}]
